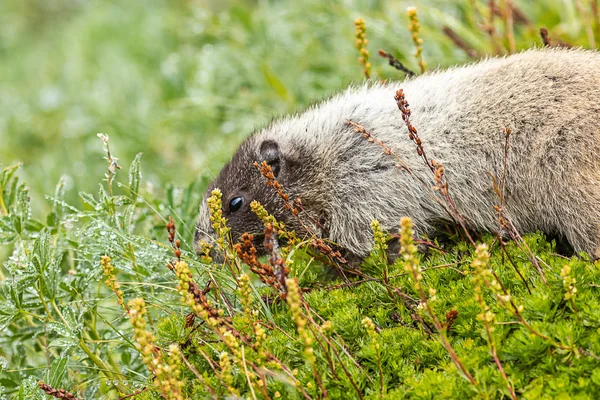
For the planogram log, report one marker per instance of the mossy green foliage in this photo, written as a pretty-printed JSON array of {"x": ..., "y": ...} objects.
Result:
[{"x": 176, "y": 81}]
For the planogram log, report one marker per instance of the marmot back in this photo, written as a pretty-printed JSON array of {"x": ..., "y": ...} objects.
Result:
[{"x": 549, "y": 98}]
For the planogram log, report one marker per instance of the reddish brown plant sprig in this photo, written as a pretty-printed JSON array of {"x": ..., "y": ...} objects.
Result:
[
  {"x": 460, "y": 42},
  {"x": 57, "y": 393},
  {"x": 450, "y": 319},
  {"x": 394, "y": 62},
  {"x": 171, "y": 229},
  {"x": 265, "y": 170},
  {"x": 201, "y": 299},
  {"x": 190, "y": 319},
  {"x": 370, "y": 138},
  {"x": 545, "y": 37},
  {"x": 440, "y": 181},
  {"x": 435, "y": 167},
  {"x": 438, "y": 170},
  {"x": 387, "y": 150},
  {"x": 175, "y": 243},
  {"x": 341, "y": 265},
  {"x": 246, "y": 251},
  {"x": 413, "y": 135},
  {"x": 549, "y": 42},
  {"x": 328, "y": 251}
]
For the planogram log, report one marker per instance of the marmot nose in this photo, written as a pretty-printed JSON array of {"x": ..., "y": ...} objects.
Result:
[
  {"x": 216, "y": 256},
  {"x": 203, "y": 239}
]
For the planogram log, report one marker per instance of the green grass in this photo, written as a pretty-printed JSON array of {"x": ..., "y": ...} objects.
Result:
[{"x": 184, "y": 83}]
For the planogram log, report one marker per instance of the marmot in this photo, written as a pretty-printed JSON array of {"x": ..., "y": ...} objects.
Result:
[{"x": 548, "y": 98}]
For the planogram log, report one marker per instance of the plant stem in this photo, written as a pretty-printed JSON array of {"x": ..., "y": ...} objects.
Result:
[{"x": 3, "y": 210}]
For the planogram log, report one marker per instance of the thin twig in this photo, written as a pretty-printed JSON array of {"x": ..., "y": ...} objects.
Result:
[
  {"x": 545, "y": 37},
  {"x": 512, "y": 262},
  {"x": 134, "y": 393},
  {"x": 394, "y": 62},
  {"x": 460, "y": 42},
  {"x": 200, "y": 378}
]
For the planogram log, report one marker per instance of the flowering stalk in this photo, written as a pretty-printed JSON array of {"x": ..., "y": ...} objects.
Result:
[
  {"x": 226, "y": 372},
  {"x": 113, "y": 164},
  {"x": 294, "y": 299},
  {"x": 369, "y": 326},
  {"x": 269, "y": 219},
  {"x": 111, "y": 281},
  {"x": 167, "y": 376},
  {"x": 361, "y": 46},
  {"x": 143, "y": 338},
  {"x": 569, "y": 285},
  {"x": 408, "y": 251},
  {"x": 487, "y": 316},
  {"x": 192, "y": 296},
  {"x": 414, "y": 27},
  {"x": 219, "y": 224},
  {"x": 171, "y": 382}
]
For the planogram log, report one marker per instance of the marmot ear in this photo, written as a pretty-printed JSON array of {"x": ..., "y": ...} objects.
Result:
[{"x": 269, "y": 152}]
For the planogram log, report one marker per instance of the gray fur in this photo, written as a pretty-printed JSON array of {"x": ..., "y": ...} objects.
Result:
[{"x": 550, "y": 98}]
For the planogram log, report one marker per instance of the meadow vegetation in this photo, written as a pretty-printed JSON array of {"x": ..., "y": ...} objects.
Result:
[{"x": 102, "y": 294}]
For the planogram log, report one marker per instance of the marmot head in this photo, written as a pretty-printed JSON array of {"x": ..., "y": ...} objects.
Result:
[{"x": 241, "y": 182}]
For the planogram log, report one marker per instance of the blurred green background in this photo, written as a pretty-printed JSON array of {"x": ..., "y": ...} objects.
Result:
[{"x": 185, "y": 82}]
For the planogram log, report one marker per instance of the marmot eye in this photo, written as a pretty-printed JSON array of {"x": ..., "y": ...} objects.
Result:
[{"x": 235, "y": 204}]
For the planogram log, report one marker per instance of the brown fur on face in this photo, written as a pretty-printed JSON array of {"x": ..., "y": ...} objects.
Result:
[
  {"x": 242, "y": 179},
  {"x": 548, "y": 98}
]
